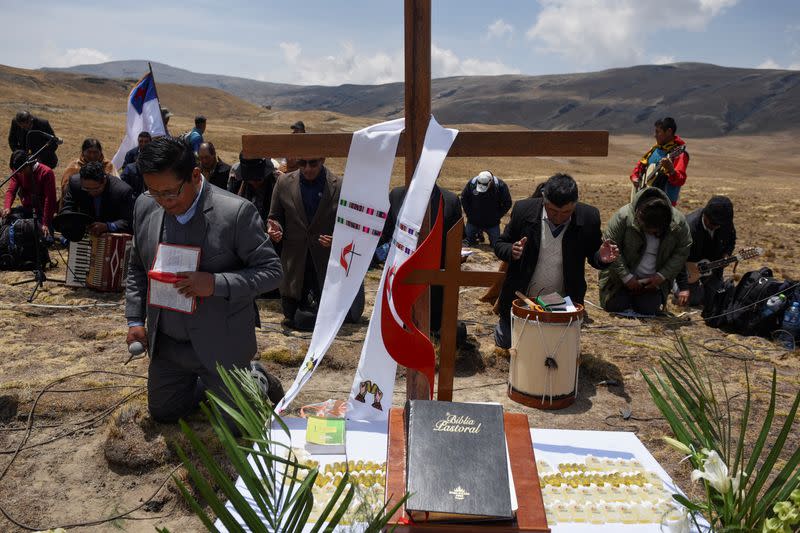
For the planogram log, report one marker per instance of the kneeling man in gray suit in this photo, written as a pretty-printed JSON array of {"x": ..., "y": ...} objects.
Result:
[{"x": 237, "y": 263}]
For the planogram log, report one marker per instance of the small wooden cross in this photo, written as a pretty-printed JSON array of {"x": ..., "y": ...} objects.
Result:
[
  {"x": 417, "y": 24},
  {"x": 451, "y": 278}
]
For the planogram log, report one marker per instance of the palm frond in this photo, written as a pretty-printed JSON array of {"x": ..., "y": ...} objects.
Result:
[
  {"x": 278, "y": 485},
  {"x": 687, "y": 396}
]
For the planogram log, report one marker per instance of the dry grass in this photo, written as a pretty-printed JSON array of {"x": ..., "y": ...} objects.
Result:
[{"x": 71, "y": 479}]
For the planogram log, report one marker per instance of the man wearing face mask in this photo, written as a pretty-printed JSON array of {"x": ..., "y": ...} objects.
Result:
[{"x": 546, "y": 243}]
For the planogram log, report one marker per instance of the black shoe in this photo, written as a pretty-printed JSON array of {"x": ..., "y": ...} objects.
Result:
[
  {"x": 271, "y": 386},
  {"x": 461, "y": 334},
  {"x": 304, "y": 320}
]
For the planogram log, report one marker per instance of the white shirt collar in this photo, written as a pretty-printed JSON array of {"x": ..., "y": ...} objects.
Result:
[{"x": 187, "y": 216}]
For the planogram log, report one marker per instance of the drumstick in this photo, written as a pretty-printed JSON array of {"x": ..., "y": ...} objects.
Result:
[{"x": 527, "y": 300}]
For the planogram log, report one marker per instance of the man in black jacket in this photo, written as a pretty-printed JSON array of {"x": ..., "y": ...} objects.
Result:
[
  {"x": 130, "y": 173},
  {"x": 451, "y": 216},
  {"x": 133, "y": 177},
  {"x": 19, "y": 138},
  {"x": 214, "y": 170},
  {"x": 258, "y": 182},
  {"x": 545, "y": 244},
  {"x": 713, "y": 237},
  {"x": 485, "y": 199},
  {"x": 107, "y": 199},
  {"x": 132, "y": 155}
]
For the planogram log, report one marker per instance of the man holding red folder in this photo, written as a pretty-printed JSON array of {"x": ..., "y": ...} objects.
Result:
[{"x": 236, "y": 263}]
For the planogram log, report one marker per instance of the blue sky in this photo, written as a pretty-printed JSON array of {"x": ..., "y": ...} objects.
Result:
[{"x": 357, "y": 41}]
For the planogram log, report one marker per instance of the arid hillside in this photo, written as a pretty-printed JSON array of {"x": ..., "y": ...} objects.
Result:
[{"x": 711, "y": 100}]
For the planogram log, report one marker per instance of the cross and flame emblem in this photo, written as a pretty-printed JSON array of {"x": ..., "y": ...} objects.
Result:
[{"x": 344, "y": 260}]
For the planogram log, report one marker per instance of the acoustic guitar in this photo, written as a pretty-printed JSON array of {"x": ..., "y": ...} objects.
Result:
[
  {"x": 654, "y": 168},
  {"x": 651, "y": 173},
  {"x": 704, "y": 267}
]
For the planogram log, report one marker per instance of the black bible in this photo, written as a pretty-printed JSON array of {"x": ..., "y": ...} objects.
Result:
[{"x": 457, "y": 466}]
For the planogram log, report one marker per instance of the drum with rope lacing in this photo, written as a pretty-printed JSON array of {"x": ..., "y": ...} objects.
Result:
[{"x": 545, "y": 347}]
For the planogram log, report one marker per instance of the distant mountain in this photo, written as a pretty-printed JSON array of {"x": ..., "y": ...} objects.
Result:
[{"x": 706, "y": 100}]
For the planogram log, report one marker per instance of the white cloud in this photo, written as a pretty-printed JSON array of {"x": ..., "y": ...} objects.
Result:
[
  {"x": 499, "y": 29},
  {"x": 615, "y": 32},
  {"x": 52, "y": 57},
  {"x": 445, "y": 63},
  {"x": 291, "y": 51},
  {"x": 770, "y": 63},
  {"x": 349, "y": 65},
  {"x": 663, "y": 60},
  {"x": 716, "y": 6}
]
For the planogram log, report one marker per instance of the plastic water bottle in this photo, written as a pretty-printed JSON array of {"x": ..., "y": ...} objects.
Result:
[
  {"x": 773, "y": 304},
  {"x": 791, "y": 324}
]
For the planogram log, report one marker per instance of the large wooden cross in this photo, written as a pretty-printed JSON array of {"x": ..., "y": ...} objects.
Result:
[
  {"x": 467, "y": 144},
  {"x": 451, "y": 278}
]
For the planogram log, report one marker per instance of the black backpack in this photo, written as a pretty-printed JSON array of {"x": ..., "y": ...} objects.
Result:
[
  {"x": 718, "y": 303},
  {"x": 750, "y": 300},
  {"x": 18, "y": 241}
]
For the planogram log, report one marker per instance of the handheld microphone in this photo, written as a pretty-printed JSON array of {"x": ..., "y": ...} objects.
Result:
[{"x": 136, "y": 348}]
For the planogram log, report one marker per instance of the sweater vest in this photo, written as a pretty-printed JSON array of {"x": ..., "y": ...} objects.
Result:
[{"x": 548, "y": 276}]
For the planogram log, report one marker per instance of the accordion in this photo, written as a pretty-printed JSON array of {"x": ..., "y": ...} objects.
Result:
[{"x": 99, "y": 263}]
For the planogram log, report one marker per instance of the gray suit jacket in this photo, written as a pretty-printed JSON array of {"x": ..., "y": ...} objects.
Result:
[{"x": 235, "y": 248}]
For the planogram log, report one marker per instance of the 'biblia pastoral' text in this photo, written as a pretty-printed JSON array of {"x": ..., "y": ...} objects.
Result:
[{"x": 457, "y": 424}]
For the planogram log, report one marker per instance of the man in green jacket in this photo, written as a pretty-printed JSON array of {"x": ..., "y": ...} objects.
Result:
[{"x": 654, "y": 241}]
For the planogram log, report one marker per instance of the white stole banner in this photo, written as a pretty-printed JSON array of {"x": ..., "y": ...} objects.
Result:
[
  {"x": 360, "y": 217},
  {"x": 373, "y": 386}
]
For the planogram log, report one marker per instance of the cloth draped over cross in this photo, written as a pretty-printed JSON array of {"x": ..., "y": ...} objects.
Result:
[{"x": 360, "y": 217}]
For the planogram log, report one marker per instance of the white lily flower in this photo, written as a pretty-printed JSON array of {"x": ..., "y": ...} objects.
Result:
[
  {"x": 678, "y": 445},
  {"x": 715, "y": 471},
  {"x": 737, "y": 482}
]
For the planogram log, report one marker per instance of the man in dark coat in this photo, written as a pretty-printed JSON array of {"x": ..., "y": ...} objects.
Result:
[
  {"x": 133, "y": 177},
  {"x": 107, "y": 199},
  {"x": 451, "y": 216},
  {"x": 133, "y": 154},
  {"x": 302, "y": 217},
  {"x": 713, "y": 237},
  {"x": 214, "y": 170},
  {"x": 485, "y": 199},
  {"x": 258, "y": 181},
  {"x": 546, "y": 243},
  {"x": 19, "y": 138}
]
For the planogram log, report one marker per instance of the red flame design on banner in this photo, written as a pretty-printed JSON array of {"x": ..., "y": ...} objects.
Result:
[
  {"x": 404, "y": 342},
  {"x": 343, "y": 257}
]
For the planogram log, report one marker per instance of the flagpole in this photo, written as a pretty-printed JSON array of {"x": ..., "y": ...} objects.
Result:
[{"x": 155, "y": 90}]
